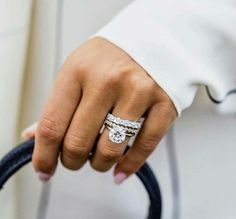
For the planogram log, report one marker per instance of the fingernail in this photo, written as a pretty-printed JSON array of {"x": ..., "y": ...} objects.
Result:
[
  {"x": 119, "y": 178},
  {"x": 44, "y": 177},
  {"x": 29, "y": 132}
]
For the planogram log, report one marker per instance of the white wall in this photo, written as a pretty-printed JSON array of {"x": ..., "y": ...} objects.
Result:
[{"x": 14, "y": 29}]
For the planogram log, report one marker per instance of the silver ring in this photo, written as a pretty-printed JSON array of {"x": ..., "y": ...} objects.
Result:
[{"x": 121, "y": 128}]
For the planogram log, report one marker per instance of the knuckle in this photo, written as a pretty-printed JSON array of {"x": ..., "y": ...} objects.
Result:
[
  {"x": 83, "y": 67},
  {"x": 75, "y": 165},
  {"x": 76, "y": 146},
  {"x": 77, "y": 66},
  {"x": 48, "y": 129},
  {"x": 109, "y": 155},
  {"x": 148, "y": 144},
  {"x": 151, "y": 87},
  {"x": 76, "y": 62},
  {"x": 169, "y": 111},
  {"x": 99, "y": 168},
  {"x": 74, "y": 151},
  {"x": 112, "y": 80},
  {"x": 144, "y": 87}
]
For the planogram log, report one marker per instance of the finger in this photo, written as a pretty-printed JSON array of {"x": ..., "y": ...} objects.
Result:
[
  {"x": 156, "y": 124},
  {"x": 84, "y": 129},
  {"x": 29, "y": 132},
  {"x": 55, "y": 120},
  {"x": 107, "y": 152}
]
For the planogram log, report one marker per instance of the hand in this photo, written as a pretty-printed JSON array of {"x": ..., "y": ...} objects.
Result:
[{"x": 96, "y": 79}]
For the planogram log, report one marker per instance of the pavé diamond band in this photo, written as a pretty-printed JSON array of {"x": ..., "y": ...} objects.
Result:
[{"x": 121, "y": 128}]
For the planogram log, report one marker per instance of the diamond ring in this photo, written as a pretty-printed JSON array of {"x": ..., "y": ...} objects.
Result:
[{"x": 121, "y": 128}]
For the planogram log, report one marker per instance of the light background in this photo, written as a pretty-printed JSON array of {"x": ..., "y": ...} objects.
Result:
[{"x": 205, "y": 141}]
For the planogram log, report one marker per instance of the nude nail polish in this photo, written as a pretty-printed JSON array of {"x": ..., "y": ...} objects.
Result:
[
  {"x": 119, "y": 178},
  {"x": 44, "y": 177},
  {"x": 29, "y": 132}
]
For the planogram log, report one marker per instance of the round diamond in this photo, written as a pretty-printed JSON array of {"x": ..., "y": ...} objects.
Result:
[{"x": 117, "y": 134}]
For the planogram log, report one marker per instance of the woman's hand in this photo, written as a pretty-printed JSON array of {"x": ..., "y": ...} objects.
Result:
[{"x": 96, "y": 79}]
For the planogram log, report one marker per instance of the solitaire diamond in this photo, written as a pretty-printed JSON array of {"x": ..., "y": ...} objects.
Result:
[
  {"x": 117, "y": 134},
  {"x": 121, "y": 128}
]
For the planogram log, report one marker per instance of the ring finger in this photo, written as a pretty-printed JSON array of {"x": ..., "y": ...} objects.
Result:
[{"x": 107, "y": 152}]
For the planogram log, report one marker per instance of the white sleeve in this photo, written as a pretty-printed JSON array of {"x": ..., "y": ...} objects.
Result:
[{"x": 181, "y": 44}]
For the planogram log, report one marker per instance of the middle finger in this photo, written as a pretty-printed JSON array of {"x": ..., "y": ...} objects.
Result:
[{"x": 83, "y": 130}]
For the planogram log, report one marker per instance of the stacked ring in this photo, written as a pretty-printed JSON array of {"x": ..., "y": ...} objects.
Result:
[{"x": 121, "y": 128}]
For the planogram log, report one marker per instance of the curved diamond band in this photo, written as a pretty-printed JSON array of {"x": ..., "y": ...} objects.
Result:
[
  {"x": 129, "y": 132},
  {"x": 123, "y": 122},
  {"x": 121, "y": 128}
]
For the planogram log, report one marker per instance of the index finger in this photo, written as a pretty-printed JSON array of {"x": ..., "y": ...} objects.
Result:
[{"x": 54, "y": 121}]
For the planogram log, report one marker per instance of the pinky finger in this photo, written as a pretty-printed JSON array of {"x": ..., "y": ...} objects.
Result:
[{"x": 158, "y": 121}]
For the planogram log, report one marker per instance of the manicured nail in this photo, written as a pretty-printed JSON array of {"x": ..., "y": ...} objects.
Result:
[
  {"x": 119, "y": 178},
  {"x": 44, "y": 177},
  {"x": 29, "y": 132}
]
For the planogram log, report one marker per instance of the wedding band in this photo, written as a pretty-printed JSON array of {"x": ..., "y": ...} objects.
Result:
[{"x": 121, "y": 128}]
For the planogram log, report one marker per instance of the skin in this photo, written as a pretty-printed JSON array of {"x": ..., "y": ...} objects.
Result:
[{"x": 98, "y": 78}]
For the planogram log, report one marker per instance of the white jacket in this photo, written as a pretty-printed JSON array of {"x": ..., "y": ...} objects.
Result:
[{"x": 182, "y": 44}]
